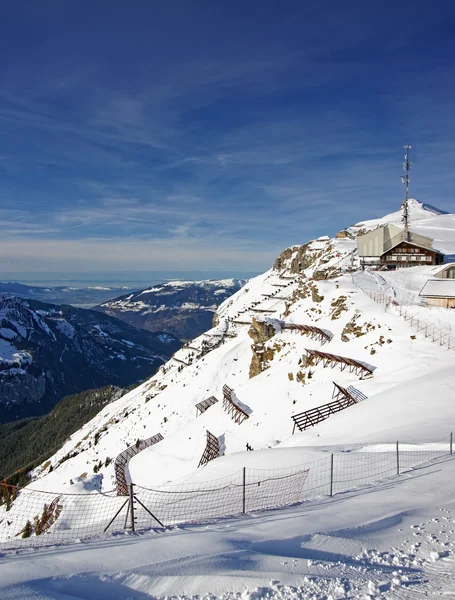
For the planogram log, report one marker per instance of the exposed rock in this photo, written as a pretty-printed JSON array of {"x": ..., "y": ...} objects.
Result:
[
  {"x": 338, "y": 306},
  {"x": 22, "y": 388},
  {"x": 352, "y": 328},
  {"x": 296, "y": 259},
  {"x": 329, "y": 273},
  {"x": 262, "y": 356},
  {"x": 261, "y": 331},
  {"x": 315, "y": 296}
]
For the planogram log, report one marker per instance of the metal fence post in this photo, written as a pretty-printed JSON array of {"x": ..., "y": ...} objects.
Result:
[
  {"x": 398, "y": 460},
  {"x": 244, "y": 491},
  {"x": 331, "y": 475},
  {"x": 131, "y": 490}
]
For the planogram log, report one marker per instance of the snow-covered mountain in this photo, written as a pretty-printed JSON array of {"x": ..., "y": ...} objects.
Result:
[
  {"x": 370, "y": 543},
  {"x": 183, "y": 308},
  {"x": 270, "y": 377},
  {"x": 48, "y": 351},
  {"x": 424, "y": 220},
  {"x": 83, "y": 297}
]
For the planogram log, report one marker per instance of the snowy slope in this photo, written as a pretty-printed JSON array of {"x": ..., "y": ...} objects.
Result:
[
  {"x": 392, "y": 542},
  {"x": 409, "y": 394},
  {"x": 404, "y": 368}
]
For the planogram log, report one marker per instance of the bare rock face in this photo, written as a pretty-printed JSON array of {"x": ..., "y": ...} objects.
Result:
[
  {"x": 22, "y": 388},
  {"x": 262, "y": 356},
  {"x": 260, "y": 331},
  {"x": 296, "y": 259}
]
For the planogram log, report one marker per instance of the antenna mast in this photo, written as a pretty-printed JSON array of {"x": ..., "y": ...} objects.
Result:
[{"x": 406, "y": 179}]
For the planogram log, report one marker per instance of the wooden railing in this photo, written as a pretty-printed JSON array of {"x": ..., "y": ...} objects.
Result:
[
  {"x": 212, "y": 449},
  {"x": 343, "y": 399},
  {"x": 233, "y": 409},
  {"x": 357, "y": 394},
  {"x": 201, "y": 407},
  {"x": 122, "y": 475},
  {"x": 313, "y": 332},
  {"x": 332, "y": 360}
]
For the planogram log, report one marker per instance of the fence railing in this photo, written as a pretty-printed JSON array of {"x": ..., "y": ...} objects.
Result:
[
  {"x": 439, "y": 333},
  {"x": 380, "y": 297},
  {"x": 30, "y": 517}
]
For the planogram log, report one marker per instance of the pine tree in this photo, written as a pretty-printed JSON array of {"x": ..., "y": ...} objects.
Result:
[{"x": 28, "y": 530}]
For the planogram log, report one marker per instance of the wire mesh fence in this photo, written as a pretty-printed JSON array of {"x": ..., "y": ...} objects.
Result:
[
  {"x": 432, "y": 327},
  {"x": 437, "y": 331},
  {"x": 31, "y": 517}
]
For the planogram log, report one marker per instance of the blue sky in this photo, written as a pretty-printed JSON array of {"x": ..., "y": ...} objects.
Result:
[{"x": 211, "y": 135}]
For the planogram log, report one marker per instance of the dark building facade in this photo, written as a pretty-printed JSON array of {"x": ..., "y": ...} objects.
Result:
[{"x": 407, "y": 254}]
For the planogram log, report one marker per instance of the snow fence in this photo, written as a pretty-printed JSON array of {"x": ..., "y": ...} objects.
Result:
[{"x": 31, "y": 517}]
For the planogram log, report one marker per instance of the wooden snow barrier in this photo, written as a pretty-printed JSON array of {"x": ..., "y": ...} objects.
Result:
[
  {"x": 201, "y": 407},
  {"x": 313, "y": 332},
  {"x": 122, "y": 474},
  {"x": 357, "y": 394},
  {"x": 212, "y": 449},
  {"x": 263, "y": 310},
  {"x": 233, "y": 409},
  {"x": 182, "y": 362},
  {"x": 333, "y": 360},
  {"x": 343, "y": 398}
]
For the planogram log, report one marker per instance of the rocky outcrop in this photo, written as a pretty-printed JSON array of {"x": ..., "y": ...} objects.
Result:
[
  {"x": 20, "y": 387},
  {"x": 295, "y": 259},
  {"x": 260, "y": 332},
  {"x": 260, "y": 359}
]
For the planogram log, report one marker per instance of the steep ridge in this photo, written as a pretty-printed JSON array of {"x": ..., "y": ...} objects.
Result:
[
  {"x": 306, "y": 287},
  {"x": 183, "y": 308},
  {"x": 49, "y": 351}
]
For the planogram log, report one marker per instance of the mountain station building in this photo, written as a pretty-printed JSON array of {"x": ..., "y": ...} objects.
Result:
[{"x": 387, "y": 247}]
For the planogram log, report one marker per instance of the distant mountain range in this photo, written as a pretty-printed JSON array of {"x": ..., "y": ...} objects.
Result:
[
  {"x": 63, "y": 294},
  {"x": 183, "y": 308},
  {"x": 48, "y": 351}
]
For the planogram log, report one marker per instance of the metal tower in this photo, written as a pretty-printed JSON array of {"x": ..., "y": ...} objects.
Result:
[{"x": 406, "y": 179}]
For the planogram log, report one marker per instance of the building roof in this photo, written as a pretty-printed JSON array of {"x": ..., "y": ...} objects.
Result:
[
  {"x": 442, "y": 268},
  {"x": 438, "y": 288},
  {"x": 411, "y": 244}
]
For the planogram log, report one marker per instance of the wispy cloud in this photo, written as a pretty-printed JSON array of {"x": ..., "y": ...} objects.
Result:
[{"x": 144, "y": 142}]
